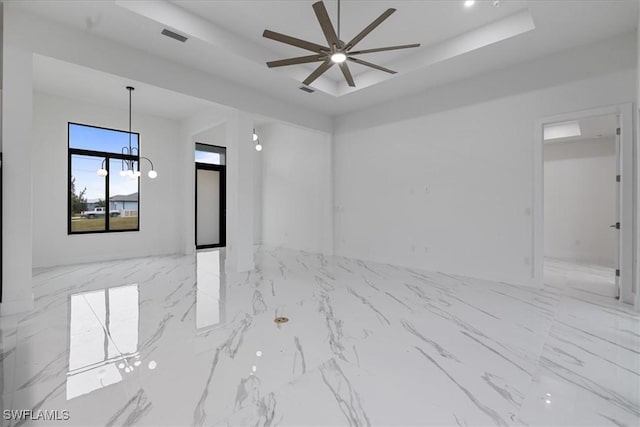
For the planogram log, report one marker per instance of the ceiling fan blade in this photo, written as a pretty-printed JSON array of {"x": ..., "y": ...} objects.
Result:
[
  {"x": 325, "y": 24},
  {"x": 369, "y": 64},
  {"x": 293, "y": 61},
  {"x": 303, "y": 44},
  {"x": 370, "y": 28},
  {"x": 347, "y": 74},
  {"x": 318, "y": 72},
  {"x": 382, "y": 49}
]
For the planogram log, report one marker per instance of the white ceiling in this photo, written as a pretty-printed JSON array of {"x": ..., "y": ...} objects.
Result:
[
  {"x": 226, "y": 38},
  {"x": 425, "y": 22},
  {"x": 72, "y": 81}
]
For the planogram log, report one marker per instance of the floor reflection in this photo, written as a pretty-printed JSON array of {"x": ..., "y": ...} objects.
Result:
[
  {"x": 104, "y": 327},
  {"x": 103, "y": 338},
  {"x": 210, "y": 289}
]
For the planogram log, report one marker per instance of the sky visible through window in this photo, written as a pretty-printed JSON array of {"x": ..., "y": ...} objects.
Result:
[
  {"x": 211, "y": 158},
  {"x": 84, "y": 168},
  {"x": 210, "y": 154}
]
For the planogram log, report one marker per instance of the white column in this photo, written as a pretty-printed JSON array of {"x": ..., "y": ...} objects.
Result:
[
  {"x": 17, "y": 114},
  {"x": 636, "y": 249},
  {"x": 240, "y": 192}
]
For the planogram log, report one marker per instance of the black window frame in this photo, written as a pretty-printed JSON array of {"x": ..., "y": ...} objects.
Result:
[
  {"x": 222, "y": 169},
  {"x": 107, "y": 160}
]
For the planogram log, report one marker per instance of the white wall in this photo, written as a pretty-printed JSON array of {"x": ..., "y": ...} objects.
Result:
[
  {"x": 296, "y": 192},
  {"x": 636, "y": 114},
  {"x": 17, "y": 100},
  {"x": 257, "y": 195},
  {"x": 160, "y": 199},
  {"x": 452, "y": 190},
  {"x": 240, "y": 198},
  {"x": 579, "y": 201}
]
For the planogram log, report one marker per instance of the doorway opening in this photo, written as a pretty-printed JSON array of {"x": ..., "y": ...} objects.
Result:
[
  {"x": 210, "y": 196},
  {"x": 581, "y": 160}
]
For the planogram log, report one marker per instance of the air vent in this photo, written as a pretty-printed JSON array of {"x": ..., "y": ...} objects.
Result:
[
  {"x": 307, "y": 89},
  {"x": 174, "y": 36}
]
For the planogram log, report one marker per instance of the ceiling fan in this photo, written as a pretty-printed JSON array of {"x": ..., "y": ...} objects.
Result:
[{"x": 338, "y": 52}]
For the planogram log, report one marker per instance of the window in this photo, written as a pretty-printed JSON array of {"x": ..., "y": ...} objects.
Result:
[
  {"x": 102, "y": 204},
  {"x": 210, "y": 154}
]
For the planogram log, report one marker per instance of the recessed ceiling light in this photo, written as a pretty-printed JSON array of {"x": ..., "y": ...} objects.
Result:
[
  {"x": 469, "y": 3},
  {"x": 338, "y": 57}
]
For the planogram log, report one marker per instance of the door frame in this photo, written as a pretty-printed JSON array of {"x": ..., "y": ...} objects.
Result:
[
  {"x": 626, "y": 161},
  {"x": 223, "y": 203}
]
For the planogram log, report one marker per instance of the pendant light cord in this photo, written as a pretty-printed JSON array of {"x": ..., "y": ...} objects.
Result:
[
  {"x": 130, "y": 89},
  {"x": 130, "y": 163}
]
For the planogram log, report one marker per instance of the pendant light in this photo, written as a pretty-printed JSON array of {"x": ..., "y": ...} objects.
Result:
[
  {"x": 130, "y": 168},
  {"x": 256, "y": 140}
]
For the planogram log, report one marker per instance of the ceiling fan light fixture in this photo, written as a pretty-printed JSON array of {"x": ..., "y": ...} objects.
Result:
[
  {"x": 338, "y": 57},
  {"x": 337, "y": 52}
]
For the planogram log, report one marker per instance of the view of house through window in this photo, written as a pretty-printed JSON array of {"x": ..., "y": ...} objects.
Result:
[{"x": 101, "y": 203}]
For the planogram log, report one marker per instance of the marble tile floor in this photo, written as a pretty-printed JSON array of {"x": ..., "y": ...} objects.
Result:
[
  {"x": 581, "y": 277},
  {"x": 178, "y": 341}
]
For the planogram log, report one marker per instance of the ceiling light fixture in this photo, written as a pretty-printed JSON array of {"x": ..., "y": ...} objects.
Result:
[
  {"x": 336, "y": 51},
  {"x": 338, "y": 57},
  {"x": 132, "y": 166},
  {"x": 469, "y": 3},
  {"x": 255, "y": 135}
]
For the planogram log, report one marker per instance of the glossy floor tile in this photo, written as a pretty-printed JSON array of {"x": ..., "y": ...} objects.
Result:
[
  {"x": 179, "y": 341},
  {"x": 582, "y": 278}
]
